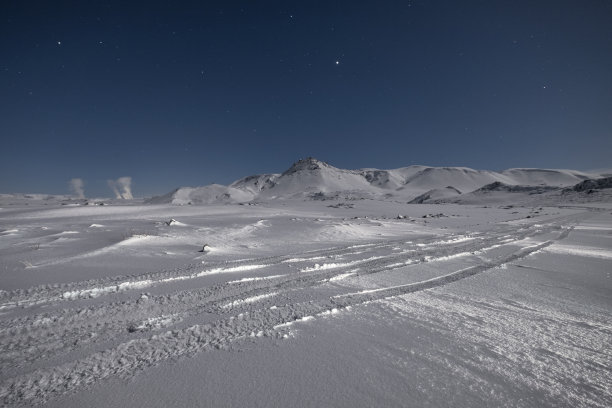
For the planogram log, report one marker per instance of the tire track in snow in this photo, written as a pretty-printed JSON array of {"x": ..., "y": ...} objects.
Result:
[
  {"x": 106, "y": 286},
  {"x": 128, "y": 357},
  {"x": 25, "y": 339},
  {"x": 383, "y": 293}
]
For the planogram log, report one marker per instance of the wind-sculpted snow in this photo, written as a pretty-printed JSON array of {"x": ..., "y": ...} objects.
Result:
[{"x": 113, "y": 327}]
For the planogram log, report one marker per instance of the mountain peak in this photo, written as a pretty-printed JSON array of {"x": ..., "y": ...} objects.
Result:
[{"x": 309, "y": 163}]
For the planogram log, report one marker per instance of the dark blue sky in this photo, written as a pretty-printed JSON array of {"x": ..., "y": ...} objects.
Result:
[{"x": 190, "y": 93}]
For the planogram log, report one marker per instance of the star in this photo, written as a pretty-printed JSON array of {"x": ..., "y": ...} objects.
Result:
[
  {"x": 337, "y": 62},
  {"x": 59, "y": 43}
]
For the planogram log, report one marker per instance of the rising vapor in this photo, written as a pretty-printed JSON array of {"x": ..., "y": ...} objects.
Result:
[
  {"x": 122, "y": 187},
  {"x": 76, "y": 186}
]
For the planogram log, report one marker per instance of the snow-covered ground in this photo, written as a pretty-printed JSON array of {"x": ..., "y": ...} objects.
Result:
[{"x": 305, "y": 303}]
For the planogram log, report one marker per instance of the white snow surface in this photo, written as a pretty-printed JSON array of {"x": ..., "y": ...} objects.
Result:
[{"x": 316, "y": 302}]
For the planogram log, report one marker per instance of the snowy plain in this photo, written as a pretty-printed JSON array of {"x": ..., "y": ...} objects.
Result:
[{"x": 299, "y": 302}]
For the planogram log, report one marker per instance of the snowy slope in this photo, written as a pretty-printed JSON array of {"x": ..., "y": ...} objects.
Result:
[
  {"x": 461, "y": 178},
  {"x": 256, "y": 183},
  {"x": 390, "y": 179},
  {"x": 546, "y": 177},
  {"x": 214, "y": 193}
]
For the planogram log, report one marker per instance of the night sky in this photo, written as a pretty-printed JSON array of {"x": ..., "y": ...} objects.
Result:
[{"x": 191, "y": 93}]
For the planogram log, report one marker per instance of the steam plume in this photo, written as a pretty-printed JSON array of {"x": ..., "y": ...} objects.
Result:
[
  {"x": 122, "y": 187},
  {"x": 113, "y": 185},
  {"x": 76, "y": 186}
]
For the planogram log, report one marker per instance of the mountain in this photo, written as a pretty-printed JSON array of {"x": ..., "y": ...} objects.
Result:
[
  {"x": 461, "y": 178},
  {"x": 313, "y": 179},
  {"x": 212, "y": 194},
  {"x": 311, "y": 176},
  {"x": 591, "y": 190},
  {"x": 545, "y": 177}
]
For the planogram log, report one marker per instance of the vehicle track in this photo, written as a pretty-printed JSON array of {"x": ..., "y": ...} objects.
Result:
[
  {"x": 134, "y": 334},
  {"x": 25, "y": 339}
]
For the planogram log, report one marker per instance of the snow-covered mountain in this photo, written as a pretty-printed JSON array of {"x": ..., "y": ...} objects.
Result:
[
  {"x": 545, "y": 177},
  {"x": 211, "y": 194},
  {"x": 312, "y": 178},
  {"x": 461, "y": 178},
  {"x": 255, "y": 184}
]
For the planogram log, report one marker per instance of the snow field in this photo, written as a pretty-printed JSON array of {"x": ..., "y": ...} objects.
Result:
[{"x": 66, "y": 337}]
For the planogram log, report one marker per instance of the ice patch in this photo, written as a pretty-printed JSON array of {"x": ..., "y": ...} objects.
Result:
[
  {"x": 463, "y": 238},
  {"x": 329, "y": 312},
  {"x": 447, "y": 257},
  {"x": 362, "y": 246},
  {"x": 95, "y": 292},
  {"x": 134, "y": 285},
  {"x": 342, "y": 276},
  {"x": 321, "y": 267},
  {"x": 399, "y": 264},
  {"x": 252, "y": 299},
  {"x": 592, "y": 228},
  {"x": 175, "y": 222},
  {"x": 140, "y": 284},
  {"x": 503, "y": 266},
  {"x": 289, "y": 324},
  {"x": 89, "y": 293},
  {"x": 239, "y": 268},
  {"x": 334, "y": 265},
  {"x": 153, "y": 323},
  {"x": 136, "y": 239},
  {"x": 295, "y": 260},
  {"x": 580, "y": 251},
  {"x": 453, "y": 240},
  {"x": 257, "y": 278}
]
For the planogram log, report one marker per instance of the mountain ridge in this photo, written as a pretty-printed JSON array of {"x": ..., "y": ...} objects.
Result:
[{"x": 309, "y": 177}]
